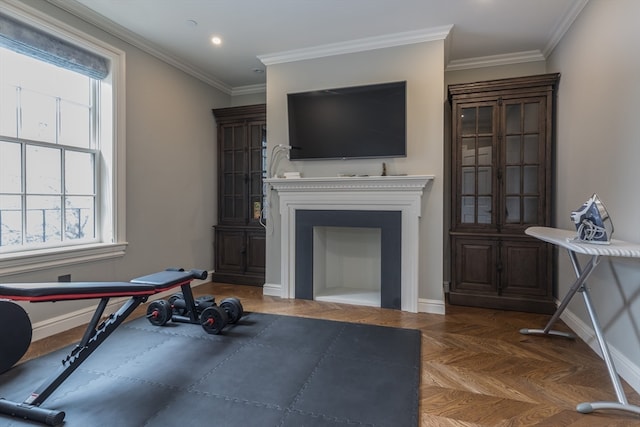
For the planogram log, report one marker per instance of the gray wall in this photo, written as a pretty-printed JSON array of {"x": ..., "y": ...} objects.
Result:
[
  {"x": 599, "y": 151},
  {"x": 495, "y": 72},
  {"x": 422, "y": 66},
  {"x": 249, "y": 99}
]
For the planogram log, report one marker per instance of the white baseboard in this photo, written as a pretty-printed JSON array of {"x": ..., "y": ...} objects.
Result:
[
  {"x": 424, "y": 305},
  {"x": 432, "y": 306},
  {"x": 272, "y": 290},
  {"x": 55, "y": 325},
  {"x": 627, "y": 369}
]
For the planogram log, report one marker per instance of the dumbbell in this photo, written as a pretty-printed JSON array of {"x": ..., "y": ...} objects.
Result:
[
  {"x": 233, "y": 307},
  {"x": 179, "y": 305},
  {"x": 159, "y": 312},
  {"x": 213, "y": 318}
]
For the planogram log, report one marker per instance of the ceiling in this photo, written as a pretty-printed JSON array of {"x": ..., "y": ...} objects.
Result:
[{"x": 255, "y": 32}]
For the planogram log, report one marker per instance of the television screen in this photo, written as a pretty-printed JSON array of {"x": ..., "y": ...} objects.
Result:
[{"x": 351, "y": 122}]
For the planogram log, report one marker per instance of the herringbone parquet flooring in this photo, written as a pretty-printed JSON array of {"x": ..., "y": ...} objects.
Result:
[{"x": 477, "y": 370}]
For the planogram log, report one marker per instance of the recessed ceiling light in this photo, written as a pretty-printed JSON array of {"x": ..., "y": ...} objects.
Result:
[{"x": 216, "y": 40}]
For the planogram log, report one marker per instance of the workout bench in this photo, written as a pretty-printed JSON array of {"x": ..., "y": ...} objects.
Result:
[{"x": 15, "y": 327}]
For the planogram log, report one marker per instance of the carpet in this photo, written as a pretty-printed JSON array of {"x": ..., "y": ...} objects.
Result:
[{"x": 266, "y": 370}]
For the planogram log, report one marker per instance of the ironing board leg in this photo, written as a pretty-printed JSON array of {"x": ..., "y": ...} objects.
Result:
[
  {"x": 93, "y": 337},
  {"x": 578, "y": 285},
  {"x": 622, "y": 403},
  {"x": 581, "y": 286}
]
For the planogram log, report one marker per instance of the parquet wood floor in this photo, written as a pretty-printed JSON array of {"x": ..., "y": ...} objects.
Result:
[{"x": 477, "y": 369}]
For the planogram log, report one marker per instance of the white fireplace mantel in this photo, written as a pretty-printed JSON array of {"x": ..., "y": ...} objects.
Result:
[
  {"x": 381, "y": 193},
  {"x": 352, "y": 183}
]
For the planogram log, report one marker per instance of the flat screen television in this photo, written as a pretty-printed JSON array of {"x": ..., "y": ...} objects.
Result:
[{"x": 351, "y": 122}]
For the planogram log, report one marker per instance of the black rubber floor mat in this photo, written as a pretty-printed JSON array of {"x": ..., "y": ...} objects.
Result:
[{"x": 264, "y": 371}]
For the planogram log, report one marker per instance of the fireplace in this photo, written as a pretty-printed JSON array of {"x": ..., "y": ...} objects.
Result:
[{"x": 391, "y": 204}]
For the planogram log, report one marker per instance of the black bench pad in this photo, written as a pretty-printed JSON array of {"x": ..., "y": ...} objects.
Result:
[
  {"x": 56, "y": 291},
  {"x": 165, "y": 279}
]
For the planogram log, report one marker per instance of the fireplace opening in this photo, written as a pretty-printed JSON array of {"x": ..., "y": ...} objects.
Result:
[
  {"x": 347, "y": 265},
  {"x": 329, "y": 250}
]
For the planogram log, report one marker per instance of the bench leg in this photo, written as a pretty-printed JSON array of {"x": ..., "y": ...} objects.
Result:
[{"x": 93, "y": 337}]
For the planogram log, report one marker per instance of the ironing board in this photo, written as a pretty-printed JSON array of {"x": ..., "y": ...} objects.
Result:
[{"x": 616, "y": 248}]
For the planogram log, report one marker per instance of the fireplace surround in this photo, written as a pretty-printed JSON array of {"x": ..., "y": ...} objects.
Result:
[{"x": 364, "y": 197}]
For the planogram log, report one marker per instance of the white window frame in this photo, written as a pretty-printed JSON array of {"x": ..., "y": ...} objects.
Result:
[{"x": 112, "y": 197}]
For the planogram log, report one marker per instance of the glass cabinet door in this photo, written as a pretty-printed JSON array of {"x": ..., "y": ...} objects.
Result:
[
  {"x": 523, "y": 177},
  {"x": 233, "y": 177},
  {"x": 257, "y": 172},
  {"x": 476, "y": 159},
  {"x": 243, "y": 157}
]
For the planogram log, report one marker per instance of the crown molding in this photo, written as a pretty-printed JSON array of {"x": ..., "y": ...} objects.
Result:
[
  {"x": 525, "y": 56},
  {"x": 391, "y": 40},
  {"x": 494, "y": 60},
  {"x": 81, "y": 11},
  {"x": 564, "y": 26},
  {"x": 249, "y": 89},
  {"x": 358, "y": 45}
]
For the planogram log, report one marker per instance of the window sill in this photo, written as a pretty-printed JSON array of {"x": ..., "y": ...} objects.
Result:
[{"x": 28, "y": 261}]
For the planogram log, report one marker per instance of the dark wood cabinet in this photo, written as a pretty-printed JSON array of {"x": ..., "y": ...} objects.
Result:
[
  {"x": 239, "y": 235},
  {"x": 501, "y": 183}
]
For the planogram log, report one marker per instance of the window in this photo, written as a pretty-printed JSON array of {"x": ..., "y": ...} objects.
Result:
[
  {"x": 61, "y": 163},
  {"x": 48, "y": 153}
]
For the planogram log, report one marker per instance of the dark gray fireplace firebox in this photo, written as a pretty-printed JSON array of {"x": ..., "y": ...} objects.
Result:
[{"x": 390, "y": 224}]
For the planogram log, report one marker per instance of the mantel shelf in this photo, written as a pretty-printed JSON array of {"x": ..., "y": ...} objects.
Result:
[{"x": 351, "y": 183}]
